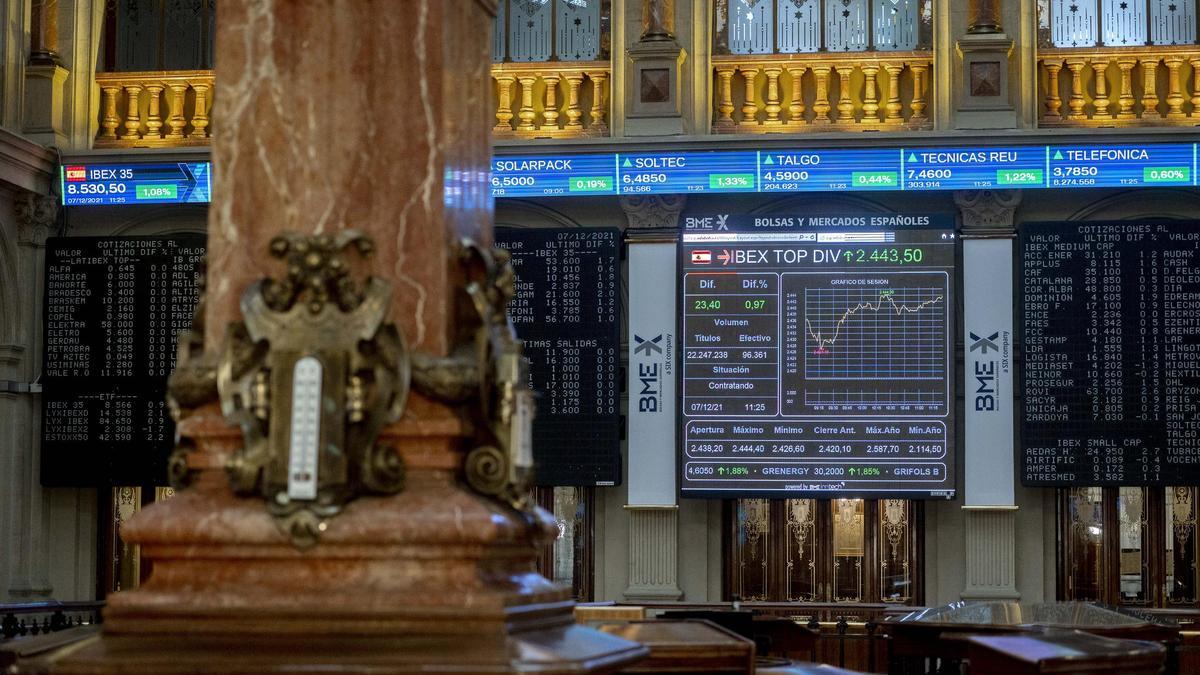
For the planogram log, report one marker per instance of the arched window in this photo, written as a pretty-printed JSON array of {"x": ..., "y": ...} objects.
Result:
[
  {"x": 146, "y": 35},
  {"x": 839, "y": 550},
  {"x": 800, "y": 26},
  {"x": 551, "y": 30},
  {"x": 1117, "y": 23}
]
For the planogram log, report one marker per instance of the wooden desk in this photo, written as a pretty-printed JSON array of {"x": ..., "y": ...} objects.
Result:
[
  {"x": 685, "y": 646},
  {"x": 1061, "y": 652}
]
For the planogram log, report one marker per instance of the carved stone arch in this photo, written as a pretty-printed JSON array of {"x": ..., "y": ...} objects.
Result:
[
  {"x": 165, "y": 220},
  {"x": 1142, "y": 203},
  {"x": 530, "y": 215},
  {"x": 823, "y": 204}
]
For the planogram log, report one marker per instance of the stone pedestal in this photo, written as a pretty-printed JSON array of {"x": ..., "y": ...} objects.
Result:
[
  {"x": 991, "y": 563},
  {"x": 983, "y": 100},
  {"x": 43, "y": 114},
  {"x": 653, "y": 93},
  {"x": 437, "y": 576},
  {"x": 654, "y": 105},
  {"x": 653, "y": 554}
]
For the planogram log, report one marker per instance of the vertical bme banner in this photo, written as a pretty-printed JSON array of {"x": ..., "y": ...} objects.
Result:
[
  {"x": 652, "y": 372},
  {"x": 988, "y": 324}
]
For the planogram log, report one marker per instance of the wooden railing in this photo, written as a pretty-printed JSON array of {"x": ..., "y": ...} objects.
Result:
[
  {"x": 821, "y": 92},
  {"x": 167, "y": 108},
  {"x": 1119, "y": 86},
  {"x": 551, "y": 99}
]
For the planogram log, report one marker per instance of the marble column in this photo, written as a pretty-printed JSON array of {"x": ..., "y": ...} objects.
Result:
[{"x": 340, "y": 114}]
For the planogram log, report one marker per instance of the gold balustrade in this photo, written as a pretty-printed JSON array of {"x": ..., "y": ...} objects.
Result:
[
  {"x": 551, "y": 99},
  {"x": 865, "y": 91},
  {"x": 1119, "y": 86},
  {"x": 151, "y": 109}
]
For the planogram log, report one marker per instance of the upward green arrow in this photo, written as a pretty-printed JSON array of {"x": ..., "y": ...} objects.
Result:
[
  {"x": 1057, "y": 154},
  {"x": 768, "y": 160},
  {"x": 627, "y": 164},
  {"x": 912, "y": 156}
]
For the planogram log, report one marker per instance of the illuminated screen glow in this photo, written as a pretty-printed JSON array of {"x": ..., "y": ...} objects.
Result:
[{"x": 817, "y": 356}]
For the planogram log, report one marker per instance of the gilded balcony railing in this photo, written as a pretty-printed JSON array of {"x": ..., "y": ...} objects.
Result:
[
  {"x": 821, "y": 92},
  {"x": 166, "y": 108},
  {"x": 1119, "y": 86},
  {"x": 552, "y": 99}
]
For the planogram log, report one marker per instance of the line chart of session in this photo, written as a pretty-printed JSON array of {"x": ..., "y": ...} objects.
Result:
[{"x": 855, "y": 343}]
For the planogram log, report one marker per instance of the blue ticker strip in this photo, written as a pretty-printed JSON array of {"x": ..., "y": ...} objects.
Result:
[{"x": 728, "y": 171}]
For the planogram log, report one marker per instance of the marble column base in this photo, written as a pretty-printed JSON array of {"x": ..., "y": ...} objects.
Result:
[
  {"x": 653, "y": 555},
  {"x": 990, "y": 558},
  {"x": 433, "y": 577}
]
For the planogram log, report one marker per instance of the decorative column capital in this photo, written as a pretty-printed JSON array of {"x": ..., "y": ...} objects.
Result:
[
  {"x": 653, "y": 211},
  {"x": 984, "y": 210},
  {"x": 36, "y": 218}
]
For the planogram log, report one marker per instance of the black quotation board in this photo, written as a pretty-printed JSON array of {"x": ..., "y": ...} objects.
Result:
[
  {"x": 566, "y": 312},
  {"x": 817, "y": 356},
  {"x": 1110, "y": 321},
  {"x": 114, "y": 307}
]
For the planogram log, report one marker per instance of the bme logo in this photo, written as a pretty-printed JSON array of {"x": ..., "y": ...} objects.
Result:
[
  {"x": 647, "y": 347},
  {"x": 983, "y": 344},
  {"x": 985, "y": 372},
  {"x": 649, "y": 374},
  {"x": 720, "y": 222}
]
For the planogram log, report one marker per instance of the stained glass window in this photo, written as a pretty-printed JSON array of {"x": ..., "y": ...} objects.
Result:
[
  {"x": 1172, "y": 22},
  {"x": 1117, "y": 23},
  {"x": 846, "y": 25},
  {"x": 550, "y": 30},
  {"x": 805, "y": 26}
]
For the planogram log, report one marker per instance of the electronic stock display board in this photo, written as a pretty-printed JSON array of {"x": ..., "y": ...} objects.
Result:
[
  {"x": 114, "y": 307},
  {"x": 1110, "y": 324},
  {"x": 817, "y": 356},
  {"x": 566, "y": 312},
  {"x": 834, "y": 170},
  {"x": 730, "y": 172},
  {"x": 107, "y": 184}
]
